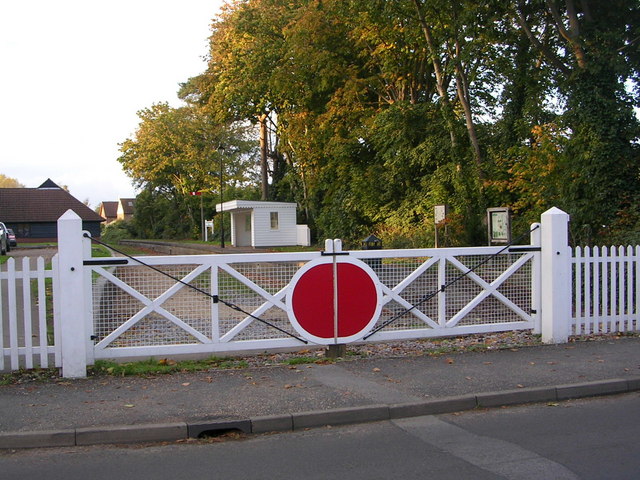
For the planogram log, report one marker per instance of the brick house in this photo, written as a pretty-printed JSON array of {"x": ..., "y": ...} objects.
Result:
[
  {"x": 126, "y": 208},
  {"x": 109, "y": 211}
]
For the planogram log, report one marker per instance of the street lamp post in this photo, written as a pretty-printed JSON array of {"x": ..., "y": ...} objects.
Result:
[{"x": 221, "y": 152}]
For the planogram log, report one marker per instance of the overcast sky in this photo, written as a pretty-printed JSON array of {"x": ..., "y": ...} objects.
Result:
[{"x": 73, "y": 74}]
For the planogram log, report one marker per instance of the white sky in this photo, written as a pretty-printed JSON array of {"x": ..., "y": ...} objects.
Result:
[{"x": 73, "y": 74}]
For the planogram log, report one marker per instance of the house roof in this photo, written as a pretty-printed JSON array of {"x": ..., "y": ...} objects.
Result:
[
  {"x": 110, "y": 209},
  {"x": 128, "y": 205},
  {"x": 46, "y": 203}
]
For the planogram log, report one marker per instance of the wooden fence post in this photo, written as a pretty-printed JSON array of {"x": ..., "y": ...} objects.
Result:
[
  {"x": 71, "y": 280},
  {"x": 556, "y": 276}
]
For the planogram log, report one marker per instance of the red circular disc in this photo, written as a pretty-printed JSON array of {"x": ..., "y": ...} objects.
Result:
[{"x": 313, "y": 300}]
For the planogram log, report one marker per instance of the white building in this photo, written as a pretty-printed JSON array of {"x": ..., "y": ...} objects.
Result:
[{"x": 264, "y": 224}]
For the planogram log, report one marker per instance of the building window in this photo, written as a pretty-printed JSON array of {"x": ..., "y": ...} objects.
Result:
[
  {"x": 274, "y": 220},
  {"x": 22, "y": 230}
]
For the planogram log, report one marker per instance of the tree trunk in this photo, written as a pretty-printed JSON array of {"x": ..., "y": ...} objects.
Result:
[
  {"x": 264, "y": 159},
  {"x": 440, "y": 78},
  {"x": 462, "y": 87}
]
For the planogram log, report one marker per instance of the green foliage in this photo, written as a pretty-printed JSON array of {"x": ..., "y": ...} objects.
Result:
[
  {"x": 113, "y": 232},
  {"x": 302, "y": 360},
  {"x": 100, "y": 251},
  {"x": 177, "y": 151},
  {"x": 377, "y": 111}
]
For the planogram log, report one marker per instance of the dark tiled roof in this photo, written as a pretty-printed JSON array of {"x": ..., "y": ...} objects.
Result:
[
  {"x": 110, "y": 209},
  {"x": 47, "y": 204},
  {"x": 128, "y": 205}
]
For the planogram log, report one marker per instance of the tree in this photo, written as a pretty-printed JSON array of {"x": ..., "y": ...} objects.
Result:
[
  {"x": 9, "y": 182},
  {"x": 371, "y": 112},
  {"x": 590, "y": 51},
  {"x": 245, "y": 55},
  {"x": 177, "y": 151}
]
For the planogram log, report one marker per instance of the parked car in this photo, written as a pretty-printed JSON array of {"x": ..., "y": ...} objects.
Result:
[
  {"x": 4, "y": 240},
  {"x": 13, "y": 242}
]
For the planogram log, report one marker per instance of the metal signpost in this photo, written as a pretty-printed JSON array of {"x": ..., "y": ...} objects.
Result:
[{"x": 440, "y": 213}]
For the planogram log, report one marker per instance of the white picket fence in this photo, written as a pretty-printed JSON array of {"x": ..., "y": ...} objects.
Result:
[
  {"x": 606, "y": 290},
  {"x": 29, "y": 328},
  {"x": 118, "y": 308}
]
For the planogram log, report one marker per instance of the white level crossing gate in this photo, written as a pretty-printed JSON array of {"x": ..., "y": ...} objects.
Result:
[
  {"x": 158, "y": 306},
  {"x": 144, "y": 307}
]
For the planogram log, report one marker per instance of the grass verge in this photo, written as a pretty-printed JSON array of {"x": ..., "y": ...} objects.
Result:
[{"x": 162, "y": 366}]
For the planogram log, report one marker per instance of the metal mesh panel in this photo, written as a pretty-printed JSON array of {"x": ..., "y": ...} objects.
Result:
[
  {"x": 517, "y": 287},
  {"x": 271, "y": 277},
  {"x": 391, "y": 273},
  {"x": 261, "y": 330},
  {"x": 490, "y": 310},
  {"x": 460, "y": 291},
  {"x": 153, "y": 329},
  {"x": 113, "y": 306}
]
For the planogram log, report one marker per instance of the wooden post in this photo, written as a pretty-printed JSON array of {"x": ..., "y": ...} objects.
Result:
[{"x": 336, "y": 350}]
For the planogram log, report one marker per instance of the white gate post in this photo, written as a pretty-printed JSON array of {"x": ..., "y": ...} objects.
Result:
[
  {"x": 71, "y": 280},
  {"x": 536, "y": 279},
  {"x": 556, "y": 276}
]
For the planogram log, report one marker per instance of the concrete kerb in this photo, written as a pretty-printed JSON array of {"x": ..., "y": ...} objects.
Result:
[
  {"x": 160, "y": 432},
  {"x": 592, "y": 389},
  {"x": 433, "y": 407},
  {"x": 166, "y": 432},
  {"x": 47, "y": 438},
  {"x": 341, "y": 416}
]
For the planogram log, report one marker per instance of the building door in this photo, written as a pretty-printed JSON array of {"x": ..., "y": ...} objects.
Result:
[{"x": 243, "y": 229}]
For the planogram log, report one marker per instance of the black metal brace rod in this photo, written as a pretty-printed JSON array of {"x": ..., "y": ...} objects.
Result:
[
  {"x": 430, "y": 295},
  {"x": 214, "y": 298}
]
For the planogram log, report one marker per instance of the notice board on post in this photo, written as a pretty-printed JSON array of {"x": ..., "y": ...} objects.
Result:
[{"x": 499, "y": 225}]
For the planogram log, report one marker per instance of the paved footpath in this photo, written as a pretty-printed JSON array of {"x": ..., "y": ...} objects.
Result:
[{"x": 106, "y": 409}]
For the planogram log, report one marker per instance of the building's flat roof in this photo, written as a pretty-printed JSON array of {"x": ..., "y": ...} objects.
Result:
[{"x": 232, "y": 205}]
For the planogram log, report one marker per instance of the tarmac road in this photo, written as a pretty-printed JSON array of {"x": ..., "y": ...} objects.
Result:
[
  {"x": 107, "y": 409},
  {"x": 581, "y": 439}
]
